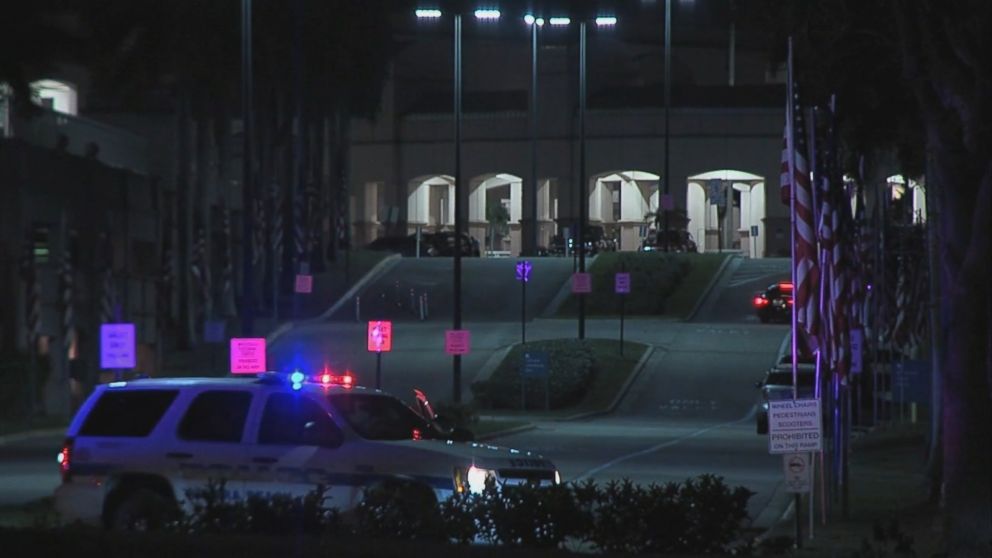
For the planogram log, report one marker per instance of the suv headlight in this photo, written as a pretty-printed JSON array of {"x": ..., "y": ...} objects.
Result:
[{"x": 472, "y": 479}]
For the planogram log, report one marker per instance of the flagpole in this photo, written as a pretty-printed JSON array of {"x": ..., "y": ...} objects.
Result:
[{"x": 790, "y": 139}]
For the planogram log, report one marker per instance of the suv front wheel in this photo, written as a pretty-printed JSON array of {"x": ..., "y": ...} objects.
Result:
[{"x": 141, "y": 509}]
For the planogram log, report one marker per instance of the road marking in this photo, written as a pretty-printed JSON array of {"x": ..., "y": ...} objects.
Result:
[{"x": 663, "y": 445}]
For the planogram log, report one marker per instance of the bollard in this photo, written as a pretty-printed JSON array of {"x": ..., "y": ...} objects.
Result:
[
  {"x": 422, "y": 308},
  {"x": 413, "y": 302},
  {"x": 427, "y": 307},
  {"x": 358, "y": 308}
]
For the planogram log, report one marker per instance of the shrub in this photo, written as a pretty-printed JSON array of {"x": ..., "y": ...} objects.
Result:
[
  {"x": 572, "y": 368},
  {"x": 395, "y": 509}
]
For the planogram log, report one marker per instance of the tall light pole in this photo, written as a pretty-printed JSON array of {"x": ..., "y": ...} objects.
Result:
[
  {"x": 582, "y": 190},
  {"x": 668, "y": 108},
  {"x": 580, "y": 234},
  {"x": 532, "y": 214},
  {"x": 484, "y": 15},
  {"x": 248, "y": 175}
]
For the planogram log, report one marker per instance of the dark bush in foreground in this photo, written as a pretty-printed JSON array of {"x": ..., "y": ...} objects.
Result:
[{"x": 702, "y": 515}]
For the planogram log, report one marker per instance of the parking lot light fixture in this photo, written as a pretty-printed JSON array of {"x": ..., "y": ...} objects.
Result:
[
  {"x": 560, "y": 21},
  {"x": 487, "y": 15},
  {"x": 428, "y": 14},
  {"x": 606, "y": 21}
]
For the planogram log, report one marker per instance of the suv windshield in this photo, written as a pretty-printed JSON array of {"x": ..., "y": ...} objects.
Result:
[{"x": 378, "y": 417}]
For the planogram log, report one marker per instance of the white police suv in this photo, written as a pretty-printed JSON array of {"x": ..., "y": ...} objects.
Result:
[{"x": 135, "y": 449}]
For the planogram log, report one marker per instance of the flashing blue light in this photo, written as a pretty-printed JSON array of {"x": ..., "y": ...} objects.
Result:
[
  {"x": 297, "y": 386},
  {"x": 296, "y": 377}
]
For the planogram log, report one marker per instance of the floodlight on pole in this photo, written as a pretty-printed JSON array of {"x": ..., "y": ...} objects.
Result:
[
  {"x": 606, "y": 21},
  {"x": 487, "y": 15},
  {"x": 428, "y": 14},
  {"x": 529, "y": 19},
  {"x": 560, "y": 21}
]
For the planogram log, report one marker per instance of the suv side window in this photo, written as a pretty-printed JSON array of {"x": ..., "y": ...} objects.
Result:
[
  {"x": 132, "y": 413},
  {"x": 296, "y": 420},
  {"x": 216, "y": 416}
]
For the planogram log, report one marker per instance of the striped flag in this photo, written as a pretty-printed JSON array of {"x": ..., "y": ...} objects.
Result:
[
  {"x": 227, "y": 265},
  {"x": 32, "y": 307},
  {"x": 167, "y": 273},
  {"x": 200, "y": 270},
  {"x": 797, "y": 190},
  {"x": 259, "y": 234},
  {"x": 276, "y": 227},
  {"x": 108, "y": 296},
  {"x": 67, "y": 292}
]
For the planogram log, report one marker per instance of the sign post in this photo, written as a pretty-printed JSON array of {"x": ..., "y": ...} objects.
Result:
[
  {"x": 795, "y": 427},
  {"x": 621, "y": 285},
  {"x": 523, "y": 275},
  {"x": 247, "y": 355},
  {"x": 535, "y": 364},
  {"x": 117, "y": 348},
  {"x": 380, "y": 340}
]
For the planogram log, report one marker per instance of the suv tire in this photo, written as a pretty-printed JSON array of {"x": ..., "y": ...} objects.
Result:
[{"x": 141, "y": 509}]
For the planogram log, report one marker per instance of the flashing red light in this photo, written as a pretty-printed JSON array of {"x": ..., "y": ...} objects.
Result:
[
  {"x": 64, "y": 459},
  {"x": 760, "y": 301},
  {"x": 416, "y": 434},
  {"x": 785, "y": 286},
  {"x": 345, "y": 380}
]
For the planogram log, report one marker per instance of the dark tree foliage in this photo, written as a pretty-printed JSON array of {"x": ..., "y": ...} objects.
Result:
[{"x": 914, "y": 86}]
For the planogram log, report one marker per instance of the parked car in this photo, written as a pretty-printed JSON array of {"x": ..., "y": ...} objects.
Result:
[
  {"x": 777, "y": 386},
  {"x": 774, "y": 304},
  {"x": 135, "y": 449},
  {"x": 431, "y": 244},
  {"x": 671, "y": 241}
]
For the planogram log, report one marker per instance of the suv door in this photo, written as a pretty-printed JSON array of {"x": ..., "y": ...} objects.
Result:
[
  {"x": 208, "y": 445},
  {"x": 297, "y": 448}
]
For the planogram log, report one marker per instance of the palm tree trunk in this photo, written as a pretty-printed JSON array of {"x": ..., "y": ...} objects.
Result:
[{"x": 186, "y": 331}]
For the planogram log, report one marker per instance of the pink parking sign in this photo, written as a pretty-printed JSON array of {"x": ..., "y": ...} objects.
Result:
[
  {"x": 457, "y": 341},
  {"x": 581, "y": 283},
  {"x": 622, "y": 283},
  {"x": 247, "y": 355},
  {"x": 304, "y": 284}
]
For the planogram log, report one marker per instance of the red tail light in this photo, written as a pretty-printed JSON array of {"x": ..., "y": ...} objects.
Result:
[
  {"x": 65, "y": 460},
  {"x": 416, "y": 434},
  {"x": 760, "y": 301}
]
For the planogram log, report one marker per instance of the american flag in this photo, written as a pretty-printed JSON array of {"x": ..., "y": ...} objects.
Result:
[
  {"x": 32, "y": 307},
  {"x": 796, "y": 190},
  {"x": 108, "y": 295},
  {"x": 200, "y": 270},
  {"x": 167, "y": 273},
  {"x": 227, "y": 265},
  {"x": 66, "y": 289}
]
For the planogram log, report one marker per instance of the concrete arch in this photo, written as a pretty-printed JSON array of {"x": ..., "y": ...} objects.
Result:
[
  {"x": 743, "y": 197},
  {"x": 430, "y": 202},
  {"x": 495, "y": 188},
  {"x": 623, "y": 202}
]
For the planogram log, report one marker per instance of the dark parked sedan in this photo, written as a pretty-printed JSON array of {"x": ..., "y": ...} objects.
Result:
[{"x": 774, "y": 304}]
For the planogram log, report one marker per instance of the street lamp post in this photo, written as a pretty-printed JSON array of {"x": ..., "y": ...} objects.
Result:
[
  {"x": 668, "y": 106},
  {"x": 247, "y": 179},
  {"x": 580, "y": 234},
  {"x": 532, "y": 192},
  {"x": 456, "y": 364}
]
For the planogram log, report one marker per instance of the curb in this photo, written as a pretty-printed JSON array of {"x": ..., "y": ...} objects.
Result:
[
  {"x": 563, "y": 292},
  {"x": 620, "y": 394},
  {"x": 507, "y": 432},
  {"x": 373, "y": 273},
  {"x": 378, "y": 269},
  {"x": 709, "y": 288},
  {"x": 29, "y": 434}
]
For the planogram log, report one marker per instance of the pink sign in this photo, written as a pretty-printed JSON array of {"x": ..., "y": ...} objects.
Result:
[
  {"x": 304, "y": 284},
  {"x": 117, "y": 346},
  {"x": 247, "y": 355},
  {"x": 380, "y": 337},
  {"x": 621, "y": 283},
  {"x": 457, "y": 341},
  {"x": 581, "y": 283}
]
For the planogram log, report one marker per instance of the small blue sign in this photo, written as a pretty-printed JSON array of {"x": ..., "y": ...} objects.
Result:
[
  {"x": 536, "y": 364},
  {"x": 523, "y": 271},
  {"x": 754, "y": 230},
  {"x": 911, "y": 381}
]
